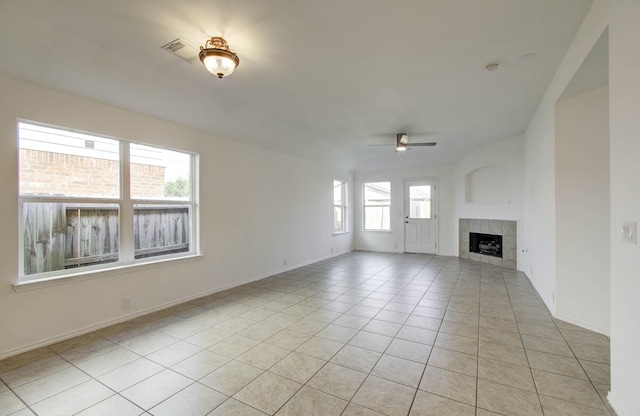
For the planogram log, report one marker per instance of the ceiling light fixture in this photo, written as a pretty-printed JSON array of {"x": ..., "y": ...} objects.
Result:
[
  {"x": 218, "y": 58},
  {"x": 401, "y": 142}
]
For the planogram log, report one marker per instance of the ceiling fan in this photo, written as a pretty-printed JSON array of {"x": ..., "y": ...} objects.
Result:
[{"x": 402, "y": 143}]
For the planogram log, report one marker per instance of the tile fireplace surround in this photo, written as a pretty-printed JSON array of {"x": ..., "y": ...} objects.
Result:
[{"x": 508, "y": 231}]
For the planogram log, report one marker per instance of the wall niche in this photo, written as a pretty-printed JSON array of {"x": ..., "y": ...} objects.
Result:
[{"x": 487, "y": 184}]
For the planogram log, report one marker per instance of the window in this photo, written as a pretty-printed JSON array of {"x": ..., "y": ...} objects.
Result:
[
  {"x": 339, "y": 207},
  {"x": 420, "y": 201},
  {"x": 161, "y": 194},
  {"x": 73, "y": 207},
  {"x": 377, "y": 206}
]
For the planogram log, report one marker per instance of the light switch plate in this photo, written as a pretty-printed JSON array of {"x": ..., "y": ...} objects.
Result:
[{"x": 629, "y": 232}]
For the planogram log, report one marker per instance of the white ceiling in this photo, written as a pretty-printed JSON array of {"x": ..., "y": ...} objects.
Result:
[{"x": 318, "y": 79}]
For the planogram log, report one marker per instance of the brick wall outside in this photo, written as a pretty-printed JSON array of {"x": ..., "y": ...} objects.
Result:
[
  {"x": 147, "y": 181},
  {"x": 47, "y": 173}
]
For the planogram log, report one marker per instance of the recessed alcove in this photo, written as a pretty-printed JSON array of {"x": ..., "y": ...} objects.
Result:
[{"x": 487, "y": 184}]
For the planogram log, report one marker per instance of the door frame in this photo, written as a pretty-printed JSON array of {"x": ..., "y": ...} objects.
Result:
[{"x": 434, "y": 208}]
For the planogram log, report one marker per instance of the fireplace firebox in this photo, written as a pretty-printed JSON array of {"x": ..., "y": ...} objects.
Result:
[{"x": 487, "y": 244}]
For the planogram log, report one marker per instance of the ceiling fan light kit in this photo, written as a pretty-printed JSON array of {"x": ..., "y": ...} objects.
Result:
[
  {"x": 402, "y": 143},
  {"x": 218, "y": 58}
]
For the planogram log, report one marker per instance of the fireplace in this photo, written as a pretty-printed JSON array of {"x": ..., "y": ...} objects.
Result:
[
  {"x": 495, "y": 242},
  {"x": 487, "y": 244}
]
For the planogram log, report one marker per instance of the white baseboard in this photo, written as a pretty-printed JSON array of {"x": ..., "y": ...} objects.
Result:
[
  {"x": 555, "y": 314},
  {"x": 616, "y": 406},
  {"x": 104, "y": 324},
  {"x": 287, "y": 268},
  {"x": 550, "y": 308},
  {"x": 585, "y": 325}
]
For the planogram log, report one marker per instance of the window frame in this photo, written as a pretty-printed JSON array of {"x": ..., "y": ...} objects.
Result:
[
  {"x": 126, "y": 209},
  {"x": 343, "y": 207},
  {"x": 365, "y": 206}
]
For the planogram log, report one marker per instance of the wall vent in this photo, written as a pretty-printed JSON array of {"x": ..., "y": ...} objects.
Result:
[{"x": 182, "y": 50}]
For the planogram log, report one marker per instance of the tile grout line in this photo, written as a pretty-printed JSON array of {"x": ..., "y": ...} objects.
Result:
[
  {"x": 378, "y": 360},
  {"x": 582, "y": 367},
  {"x": 533, "y": 380},
  {"x": 424, "y": 370}
]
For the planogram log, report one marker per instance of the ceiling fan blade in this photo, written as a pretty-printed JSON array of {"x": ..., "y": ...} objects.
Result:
[
  {"x": 422, "y": 144},
  {"x": 387, "y": 144}
]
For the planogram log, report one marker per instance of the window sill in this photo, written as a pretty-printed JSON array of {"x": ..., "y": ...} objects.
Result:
[
  {"x": 94, "y": 274},
  {"x": 340, "y": 232},
  {"x": 377, "y": 231}
]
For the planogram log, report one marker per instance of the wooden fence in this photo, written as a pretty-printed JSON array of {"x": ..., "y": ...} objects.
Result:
[
  {"x": 160, "y": 231},
  {"x": 60, "y": 236},
  {"x": 44, "y": 237}
]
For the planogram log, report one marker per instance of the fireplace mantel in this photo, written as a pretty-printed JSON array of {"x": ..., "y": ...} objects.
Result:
[{"x": 507, "y": 229}]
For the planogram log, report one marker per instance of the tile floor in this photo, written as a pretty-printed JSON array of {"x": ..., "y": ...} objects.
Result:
[{"x": 360, "y": 334}]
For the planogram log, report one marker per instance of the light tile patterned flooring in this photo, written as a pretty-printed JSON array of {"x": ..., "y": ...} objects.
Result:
[{"x": 360, "y": 334}]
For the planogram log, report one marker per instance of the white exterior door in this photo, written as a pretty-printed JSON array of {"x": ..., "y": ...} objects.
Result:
[{"x": 421, "y": 228}]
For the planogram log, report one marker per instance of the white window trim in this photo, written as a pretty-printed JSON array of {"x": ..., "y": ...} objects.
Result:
[
  {"x": 126, "y": 205},
  {"x": 344, "y": 208},
  {"x": 86, "y": 274}
]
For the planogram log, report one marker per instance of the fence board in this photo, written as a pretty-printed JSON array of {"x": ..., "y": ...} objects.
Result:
[
  {"x": 43, "y": 227},
  {"x": 71, "y": 240},
  {"x": 29, "y": 238},
  {"x": 58, "y": 231}
]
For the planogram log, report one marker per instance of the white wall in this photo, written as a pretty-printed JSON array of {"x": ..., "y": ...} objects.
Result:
[
  {"x": 502, "y": 199},
  {"x": 539, "y": 261},
  {"x": 258, "y": 208},
  {"x": 393, "y": 241},
  {"x": 621, "y": 17},
  {"x": 582, "y": 210},
  {"x": 624, "y": 90}
]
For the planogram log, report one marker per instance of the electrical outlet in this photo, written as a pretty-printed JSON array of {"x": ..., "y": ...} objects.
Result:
[
  {"x": 395, "y": 246},
  {"x": 331, "y": 250},
  {"x": 629, "y": 232},
  {"x": 284, "y": 262},
  {"x": 127, "y": 303}
]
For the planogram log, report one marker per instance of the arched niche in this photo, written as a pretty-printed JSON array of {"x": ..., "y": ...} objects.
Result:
[{"x": 487, "y": 184}]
